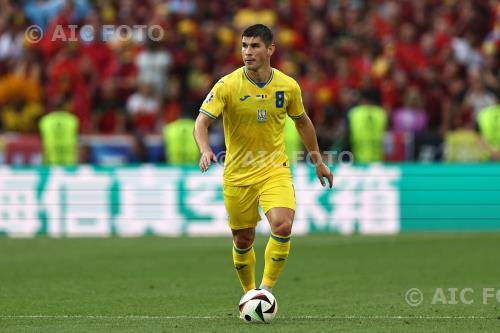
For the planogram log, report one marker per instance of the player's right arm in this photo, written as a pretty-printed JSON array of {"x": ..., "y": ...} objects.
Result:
[
  {"x": 201, "y": 136},
  {"x": 212, "y": 107}
]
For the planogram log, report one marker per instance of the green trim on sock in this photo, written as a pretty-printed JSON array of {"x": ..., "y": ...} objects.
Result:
[
  {"x": 280, "y": 238},
  {"x": 242, "y": 251}
]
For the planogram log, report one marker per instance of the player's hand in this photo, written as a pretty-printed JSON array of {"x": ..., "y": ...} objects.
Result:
[
  {"x": 206, "y": 160},
  {"x": 323, "y": 171}
]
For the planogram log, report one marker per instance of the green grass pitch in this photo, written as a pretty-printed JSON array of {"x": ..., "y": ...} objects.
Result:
[{"x": 330, "y": 283}]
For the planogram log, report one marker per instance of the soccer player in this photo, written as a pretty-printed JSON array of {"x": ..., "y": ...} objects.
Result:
[{"x": 254, "y": 101}]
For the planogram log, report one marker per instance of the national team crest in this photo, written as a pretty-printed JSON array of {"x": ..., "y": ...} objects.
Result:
[{"x": 261, "y": 115}]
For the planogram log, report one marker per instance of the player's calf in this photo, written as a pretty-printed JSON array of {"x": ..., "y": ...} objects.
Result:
[{"x": 244, "y": 257}]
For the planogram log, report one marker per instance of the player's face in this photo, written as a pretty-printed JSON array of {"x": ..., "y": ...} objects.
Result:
[{"x": 255, "y": 53}]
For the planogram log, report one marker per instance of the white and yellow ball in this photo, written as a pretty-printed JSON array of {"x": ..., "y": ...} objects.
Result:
[{"x": 258, "y": 306}]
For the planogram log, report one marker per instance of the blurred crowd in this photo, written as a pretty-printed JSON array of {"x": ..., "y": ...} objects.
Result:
[{"x": 431, "y": 65}]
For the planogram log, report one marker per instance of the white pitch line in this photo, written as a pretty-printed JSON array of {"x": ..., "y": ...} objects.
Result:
[
  {"x": 139, "y": 317},
  {"x": 389, "y": 317}
]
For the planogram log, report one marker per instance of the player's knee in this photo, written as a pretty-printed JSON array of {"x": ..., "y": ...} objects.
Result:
[
  {"x": 243, "y": 240},
  {"x": 282, "y": 226},
  {"x": 242, "y": 243}
]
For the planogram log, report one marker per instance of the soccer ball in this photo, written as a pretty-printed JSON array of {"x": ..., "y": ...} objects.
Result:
[{"x": 258, "y": 306}]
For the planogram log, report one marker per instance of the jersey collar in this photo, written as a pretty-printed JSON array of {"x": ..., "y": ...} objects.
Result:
[{"x": 248, "y": 77}]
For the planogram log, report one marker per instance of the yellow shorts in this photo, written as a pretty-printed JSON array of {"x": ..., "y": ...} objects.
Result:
[{"x": 242, "y": 201}]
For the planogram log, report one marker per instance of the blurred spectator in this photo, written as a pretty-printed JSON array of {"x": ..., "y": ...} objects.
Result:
[
  {"x": 18, "y": 86},
  {"x": 489, "y": 127},
  {"x": 71, "y": 76},
  {"x": 41, "y": 12},
  {"x": 463, "y": 144},
  {"x": 465, "y": 50},
  {"x": 255, "y": 12},
  {"x": 180, "y": 147},
  {"x": 59, "y": 133},
  {"x": 21, "y": 116},
  {"x": 101, "y": 55},
  {"x": 124, "y": 78},
  {"x": 183, "y": 7},
  {"x": 109, "y": 116},
  {"x": 478, "y": 97},
  {"x": 11, "y": 34},
  {"x": 153, "y": 63},
  {"x": 173, "y": 105},
  {"x": 408, "y": 49},
  {"x": 143, "y": 110},
  {"x": 490, "y": 73},
  {"x": 367, "y": 126},
  {"x": 410, "y": 117}
]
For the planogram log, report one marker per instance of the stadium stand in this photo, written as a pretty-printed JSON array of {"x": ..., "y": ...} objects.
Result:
[{"x": 433, "y": 66}]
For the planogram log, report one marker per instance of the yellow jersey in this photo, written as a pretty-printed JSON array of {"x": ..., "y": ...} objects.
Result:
[{"x": 254, "y": 121}]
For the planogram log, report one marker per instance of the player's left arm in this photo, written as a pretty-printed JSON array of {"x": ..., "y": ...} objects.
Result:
[
  {"x": 307, "y": 133},
  {"x": 295, "y": 109}
]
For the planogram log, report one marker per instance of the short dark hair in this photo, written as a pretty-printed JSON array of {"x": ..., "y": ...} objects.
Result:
[{"x": 259, "y": 30}]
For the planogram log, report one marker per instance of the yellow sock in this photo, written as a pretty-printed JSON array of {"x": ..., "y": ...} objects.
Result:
[
  {"x": 244, "y": 262},
  {"x": 277, "y": 250}
]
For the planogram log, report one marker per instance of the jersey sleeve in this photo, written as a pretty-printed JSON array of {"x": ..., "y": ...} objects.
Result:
[
  {"x": 295, "y": 108},
  {"x": 216, "y": 101}
]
